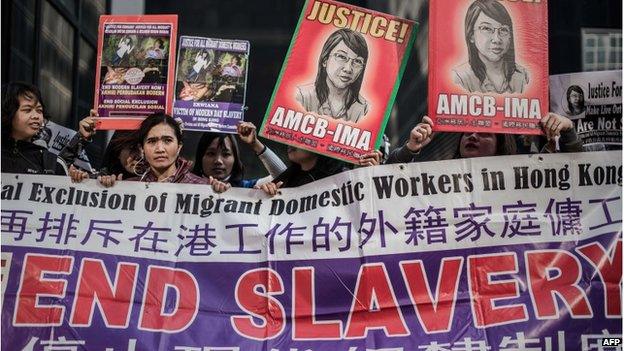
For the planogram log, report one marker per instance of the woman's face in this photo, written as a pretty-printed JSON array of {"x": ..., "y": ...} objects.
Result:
[
  {"x": 28, "y": 119},
  {"x": 343, "y": 66},
  {"x": 575, "y": 99},
  {"x": 491, "y": 38},
  {"x": 299, "y": 156},
  {"x": 217, "y": 161},
  {"x": 161, "y": 147},
  {"x": 477, "y": 145}
]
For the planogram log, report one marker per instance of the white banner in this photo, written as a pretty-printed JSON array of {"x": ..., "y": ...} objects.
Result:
[
  {"x": 593, "y": 100},
  {"x": 390, "y": 209}
]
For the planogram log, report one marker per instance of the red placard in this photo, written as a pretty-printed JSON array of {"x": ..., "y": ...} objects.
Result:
[
  {"x": 135, "y": 68},
  {"x": 488, "y": 65},
  {"x": 338, "y": 82}
]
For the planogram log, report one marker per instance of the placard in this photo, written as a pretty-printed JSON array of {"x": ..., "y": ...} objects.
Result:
[
  {"x": 335, "y": 92},
  {"x": 593, "y": 101},
  {"x": 211, "y": 82},
  {"x": 488, "y": 65},
  {"x": 135, "y": 68}
]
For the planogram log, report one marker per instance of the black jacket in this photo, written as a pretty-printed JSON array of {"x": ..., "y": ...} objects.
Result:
[
  {"x": 294, "y": 176},
  {"x": 27, "y": 158}
]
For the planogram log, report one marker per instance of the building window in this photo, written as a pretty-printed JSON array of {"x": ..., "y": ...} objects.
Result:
[
  {"x": 602, "y": 49},
  {"x": 52, "y": 44},
  {"x": 55, "y": 70}
]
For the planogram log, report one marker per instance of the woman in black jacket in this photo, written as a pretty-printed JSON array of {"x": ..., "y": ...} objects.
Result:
[
  {"x": 307, "y": 167},
  {"x": 22, "y": 120}
]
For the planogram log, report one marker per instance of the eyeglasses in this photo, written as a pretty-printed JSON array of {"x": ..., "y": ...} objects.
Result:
[
  {"x": 341, "y": 58},
  {"x": 487, "y": 30}
]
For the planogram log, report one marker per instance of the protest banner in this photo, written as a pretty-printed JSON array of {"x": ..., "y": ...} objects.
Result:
[
  {"x": 488, "y": 65},
  {"x": 593, "y": 101},
  {"x": 459, "y": 254},
  {"x": 211, "y": 82},
  {"x": 58, "y": 137},
  {"x": 338, "y": 82},
  {"x": 135, "y": 68}
]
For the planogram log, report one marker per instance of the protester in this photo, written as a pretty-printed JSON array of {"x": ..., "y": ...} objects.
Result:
[
  {"x": 121, "y": 158},
  {"x": 159, "y": 141},
  {"x": 218, "y": 156},
  {"x": 489, "y": 144},
  {"x": 308, "y": 167},
  {"x": 22, "y": 119}
]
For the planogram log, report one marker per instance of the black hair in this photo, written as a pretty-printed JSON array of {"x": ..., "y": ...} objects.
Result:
[
  {"x": 154, "y": 120},
  {"x": 207, "y": 138},
  {"x": 498, "y": 12},
  {"x": 506, "y": 144},
  {"x": 11, "y": 103},
  {"x": 121, "y": 140},
  {"x": 577, "y": 89},
  {"x": 354, "y": 41},
  {"x": 324, "y": 166}
]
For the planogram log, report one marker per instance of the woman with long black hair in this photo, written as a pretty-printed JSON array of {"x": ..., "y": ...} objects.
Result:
[
  {"x": 336, "y": 90},
  {"x": 491, "y": 66}
]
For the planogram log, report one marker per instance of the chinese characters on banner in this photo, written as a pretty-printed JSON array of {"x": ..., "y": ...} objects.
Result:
[
  {"x": 211, "y": 83},
  {"x": 135, "y": 68},
  {"x": 452, "y": 255},
  {"x": 593, "y": 101},
  {"x": 339, "y": 80},
  {"x": 488, "y": 65}
]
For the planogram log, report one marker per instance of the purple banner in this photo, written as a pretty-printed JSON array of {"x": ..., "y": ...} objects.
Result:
[
  {"x": 341, "y": 288},
  {"x": 456, "y": 255},
  {"x": 209, "y": 115}
]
